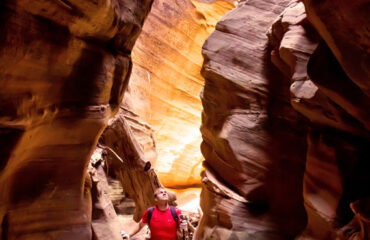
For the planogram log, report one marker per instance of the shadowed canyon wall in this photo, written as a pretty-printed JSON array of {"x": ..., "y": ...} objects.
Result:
[
  {"x": 63, "y": 68},
  {"x": 253, "y": 140},
  {"x": 285, "y": 122}
]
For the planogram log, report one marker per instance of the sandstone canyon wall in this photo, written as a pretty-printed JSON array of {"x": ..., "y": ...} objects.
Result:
[
  {"x": 161, "y": 108},
  {"x": 64, "y": 66},
  {"x": 332, "y": 95},
  {"x": 285, "y": 122},
  {"x": 253, "y": 140},
  {"x": 166, "y": 82}
]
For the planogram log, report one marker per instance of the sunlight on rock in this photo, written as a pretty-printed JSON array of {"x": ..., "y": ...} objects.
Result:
[
  {"x": 253, "y": 114},
  {"x": 166, "y": 83}
]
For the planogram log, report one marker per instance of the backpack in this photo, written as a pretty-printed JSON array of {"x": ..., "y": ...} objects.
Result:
[{"x": 173, "y": 213}]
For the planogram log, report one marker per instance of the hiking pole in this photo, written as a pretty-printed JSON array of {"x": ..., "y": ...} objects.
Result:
[{"x": 183, "y": 225}]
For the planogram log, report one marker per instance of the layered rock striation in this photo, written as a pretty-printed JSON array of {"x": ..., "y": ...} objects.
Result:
[
  {"x": 166, "y": 81},
  {"x": 266, "y": 134},
  {"x": 338, "y": 109},
  {"x": 127, "y": 162},
  {"x": 64, "y": 66},
  {"x": 285, "y": 122},
  {"x": 253, "y": 140}
]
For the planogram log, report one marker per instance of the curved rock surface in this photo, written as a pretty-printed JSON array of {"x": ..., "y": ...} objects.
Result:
[
  {"x": 285, "y": 125},
  {"x": 248, "y": 111},
  {"x": 126, "y": 162},
  {"x": 63, "y": 68},
  {"x": 344, "y": 25},
  {"x": 253, "y": 140},
  {"x": 339, "y": 112},
  {"x": 166, "y": 82}
]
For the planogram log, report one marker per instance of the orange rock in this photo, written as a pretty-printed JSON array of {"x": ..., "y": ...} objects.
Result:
[
  {"x": 63, "y": 67},
  {"x": 166, "y": 82}
]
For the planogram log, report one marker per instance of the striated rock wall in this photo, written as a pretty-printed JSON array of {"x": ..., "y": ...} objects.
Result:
[
  {"x": 343, "y": 25},
  {"x": 166, "y": 81},
  {"x": 338, "y": 206},
  {"x": 104, "y": 221},
  {"x": 63, "y": 68},
  {"x": 126, "y": 162},
  {"x": 253, "y": 140},
  {"x": 322, "y": 50},
  {"x": 338, "y": 109}
]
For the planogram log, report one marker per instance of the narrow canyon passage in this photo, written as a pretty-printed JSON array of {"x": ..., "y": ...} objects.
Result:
[
  {"x": 253, "y": 114},
  {"x": 161, "y": 108}
]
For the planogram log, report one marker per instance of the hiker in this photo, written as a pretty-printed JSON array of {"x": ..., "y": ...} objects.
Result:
[{"x": 163, "y": 220}]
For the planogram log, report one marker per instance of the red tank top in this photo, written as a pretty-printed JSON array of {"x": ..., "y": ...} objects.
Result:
[{"x": 162, "y": 225}]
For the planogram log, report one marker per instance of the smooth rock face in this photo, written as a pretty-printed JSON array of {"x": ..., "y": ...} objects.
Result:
[
  {"x": 253, "y": 140},
  {"x": 63, "y": 68},
  {"x": 166, "y": 82},
  {"x": 247, "y": 159}
]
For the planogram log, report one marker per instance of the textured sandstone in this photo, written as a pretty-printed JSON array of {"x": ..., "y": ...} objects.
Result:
[
  {"x": 166, "y": 82},
  {"x": 324, "y": 85},
  {"x": 253, "y": 140},
  {"x": 105, "y": 223},
  {"x": 344, "y": 79},
  {"x": 63, "y": 68},
  {"x": 350, "y": 105},
  {"x": 126, "y": 162},
  {"x": 339, "y": 155},
  {"x": 324, "y": 94},
  {"x": 344, "y": 25},
  {"x": 334, "y": 101},
  {"x": 337, "y": 173}
]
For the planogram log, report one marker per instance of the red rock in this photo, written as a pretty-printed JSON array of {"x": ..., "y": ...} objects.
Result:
[
  {"x": 247, "y": 120},
  {"x": 253, "y": 140},
  {"x": 344, "y": 27},
  {"x": 63, "y": 69}
]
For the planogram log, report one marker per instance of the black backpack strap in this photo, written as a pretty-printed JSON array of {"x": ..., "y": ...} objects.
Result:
[
  {"x": 150, "y": 213},
  {"x": 174, "y": 215}
]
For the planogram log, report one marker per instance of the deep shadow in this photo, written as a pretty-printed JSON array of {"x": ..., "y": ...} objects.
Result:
[
  {"x": 121, "y": 78},
  {"x": 8, "y": 140},
  {"x": 352, "y": 155},
  {"x": 81, "y": 87},
  {"x": 4, "y": 228},
  {"x": 282, "y": 191}
]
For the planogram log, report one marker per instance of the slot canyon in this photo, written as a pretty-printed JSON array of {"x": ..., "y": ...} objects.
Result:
[{"x": 254, "y": 114}]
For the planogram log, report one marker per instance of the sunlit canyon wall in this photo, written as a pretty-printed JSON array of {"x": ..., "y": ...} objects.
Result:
[
  {"x": 166, "y": 83},
  {"x": 285, "y": 123}
]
